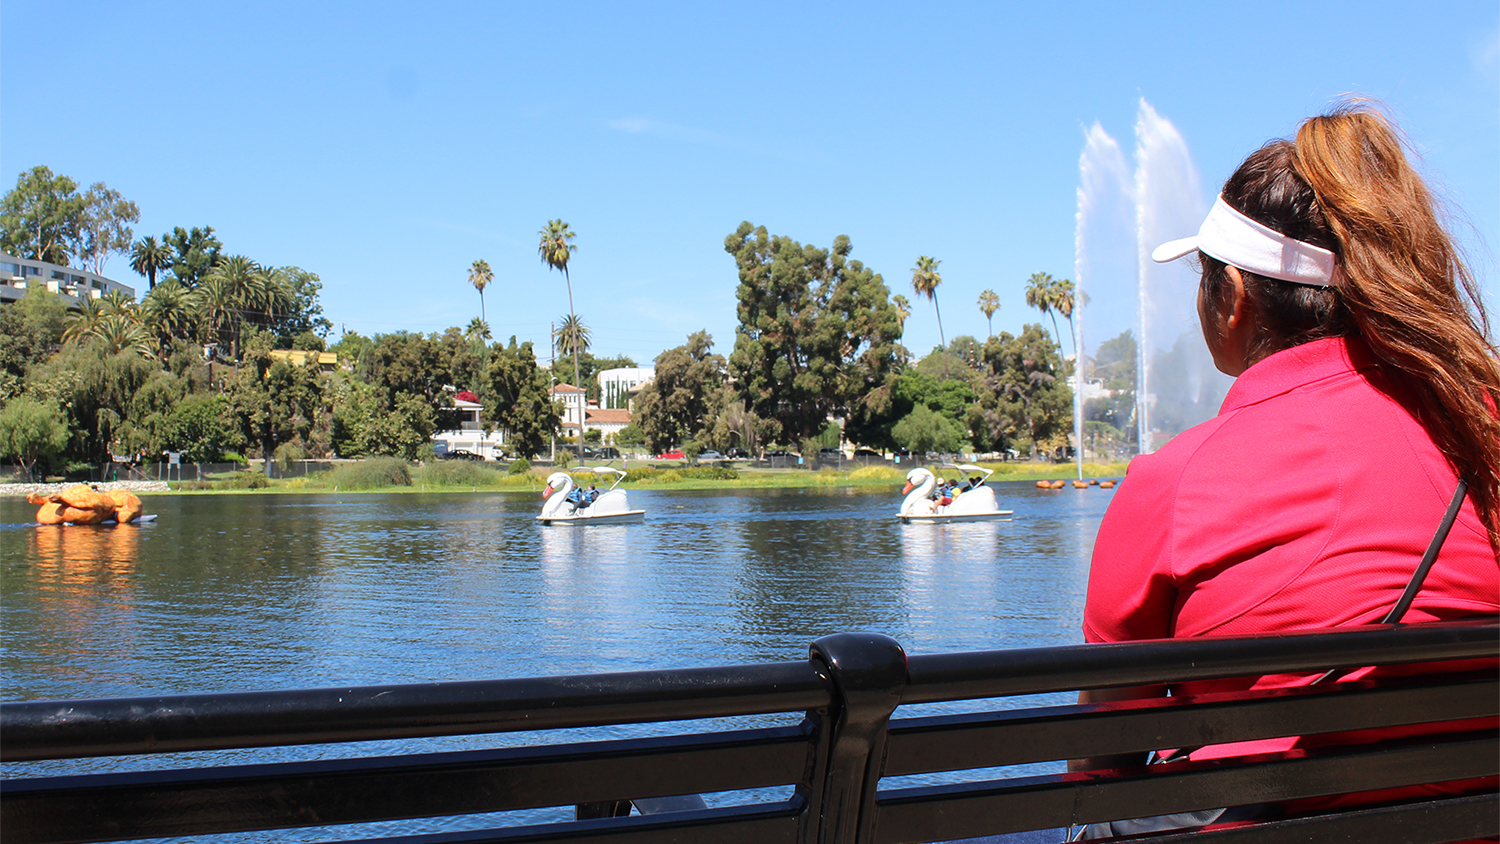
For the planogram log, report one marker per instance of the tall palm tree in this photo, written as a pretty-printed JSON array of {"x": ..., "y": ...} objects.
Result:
[
  {"x": 1041, "y": 293},
  {"x": 149, "y": 257},
  {"x": 925, "y": 280},
  {"x": 573, "y": 335},
  {"x": 903, "y": 310},
  {"x": 556, "y": 247},
  {"x": 1063, "y": 303},
  {"x": 989, "y": 303},
  {"x": 480, "y": 275}
]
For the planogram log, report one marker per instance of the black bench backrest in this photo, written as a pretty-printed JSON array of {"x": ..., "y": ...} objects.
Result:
[{"x": 833, "y": 760}]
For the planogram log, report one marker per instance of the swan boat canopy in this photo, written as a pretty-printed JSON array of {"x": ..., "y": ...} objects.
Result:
[
  {"x": 567, "y": 505},
  {"x": 973, "y": 501}
]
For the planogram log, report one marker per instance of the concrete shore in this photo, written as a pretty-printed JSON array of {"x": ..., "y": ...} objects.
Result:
[{"x": 23, "y": 490}]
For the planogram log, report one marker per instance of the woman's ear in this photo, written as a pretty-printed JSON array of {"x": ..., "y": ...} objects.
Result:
[{"x": 1239, "y": 301}]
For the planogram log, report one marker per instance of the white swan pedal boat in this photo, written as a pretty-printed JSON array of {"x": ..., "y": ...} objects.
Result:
[
  {"x": 976, "y": 503},
  {"x": 609, "y": 507}
]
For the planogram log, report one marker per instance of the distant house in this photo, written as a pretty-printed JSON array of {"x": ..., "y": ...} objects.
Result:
[
  {"x": 469, "y": 435},
  {"x": 606, "y": 421},
  {"x": 572, "y": 400}
]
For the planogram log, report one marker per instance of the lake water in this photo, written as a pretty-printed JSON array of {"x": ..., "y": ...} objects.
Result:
[{"x": 267, "y": 591}]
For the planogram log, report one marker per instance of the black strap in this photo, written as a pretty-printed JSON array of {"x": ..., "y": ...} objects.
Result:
[
  {"x": 1398, "y": 611},
  {"x": 1402, "y": 604}
]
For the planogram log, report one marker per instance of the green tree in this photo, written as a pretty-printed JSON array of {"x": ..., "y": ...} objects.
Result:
[
  {"x": 298, "y": 310},
  {"x": 925, "y": 430},
  {"x": 675, "y": 406},
  {"x": 29, "y": 329},
  {"x": 925, "y": 280},
  {"x": 480, "y": 275},
  {"x": 203, "y": 428},
  {"x": 517, "y": 399},
  {"x": 817, "y": 333},
  {"x": 95, "y": 388},
  {"x": 32, "y": 432},
  {"x": 104, "y": 226},
  {"x": 274, "y": 402},
  {"x": 39, "y": 218},
  {"x": 195, "y": 252},
  {"x": 988, "y": 304},
  {"x": 1024, "y": 399},
  {"x": 556, "y": 248},
  {"x": 149, "y": 257}
]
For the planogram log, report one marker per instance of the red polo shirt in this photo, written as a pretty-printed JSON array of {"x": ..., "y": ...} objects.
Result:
[{"x": 1307, "y": 502}]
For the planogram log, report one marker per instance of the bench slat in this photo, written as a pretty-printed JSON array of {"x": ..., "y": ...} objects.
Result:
[
  {"x": 928, "y": 813},
  {"x": 1017, "y": 737},
  {"x": 151, "y": 804}
]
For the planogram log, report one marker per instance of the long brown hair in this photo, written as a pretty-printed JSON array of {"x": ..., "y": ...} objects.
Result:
[{"x": 1345, "y": 184}]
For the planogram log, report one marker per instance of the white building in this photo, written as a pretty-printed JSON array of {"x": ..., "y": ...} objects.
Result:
[
  {"x": 470, "y": 435},
  {"x": 616, "y": 385},
  {"x": 572, "y": 400},
  {"x": 18, "y": 274}
]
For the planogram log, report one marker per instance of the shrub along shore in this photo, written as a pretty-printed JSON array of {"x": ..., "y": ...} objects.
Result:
[{"x": 389, "y": 474}]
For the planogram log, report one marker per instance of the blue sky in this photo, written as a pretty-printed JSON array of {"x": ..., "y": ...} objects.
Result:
[{"x": 385, "y": 147}]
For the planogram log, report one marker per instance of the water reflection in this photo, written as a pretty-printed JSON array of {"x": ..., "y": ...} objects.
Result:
[{"x": 283, "y": 591}]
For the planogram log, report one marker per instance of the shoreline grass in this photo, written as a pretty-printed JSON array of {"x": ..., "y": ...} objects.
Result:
[{"x": 389, "y": 475}]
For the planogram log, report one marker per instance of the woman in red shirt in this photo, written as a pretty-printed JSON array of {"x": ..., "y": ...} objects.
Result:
[{"x": 1366, "y": 389}]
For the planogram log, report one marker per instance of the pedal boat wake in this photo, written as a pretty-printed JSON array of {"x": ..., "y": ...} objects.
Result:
[
  {"x": 976, "y": 504},
  {"x": 609, "y": 508}
]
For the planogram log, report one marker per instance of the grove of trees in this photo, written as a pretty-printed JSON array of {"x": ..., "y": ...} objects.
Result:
[{"x": 194, "y": 366}]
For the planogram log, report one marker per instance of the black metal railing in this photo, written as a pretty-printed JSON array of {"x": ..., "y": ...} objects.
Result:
[{"x": 833, "y": 761}]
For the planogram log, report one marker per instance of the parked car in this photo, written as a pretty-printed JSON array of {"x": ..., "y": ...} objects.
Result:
[
  {"x": 901, "y": 452},
  {"x": 710, "y": 455},
  {"x": 828, "y": 451},
  {"x": 608, "y": 452},
  {"x": 868, "y": 452},
  {"x": 671, "y": 455},
  {"x": 737, "y": 454},
  {"x": 778, "y": 452},
  {"x": 460, "y": 454}
]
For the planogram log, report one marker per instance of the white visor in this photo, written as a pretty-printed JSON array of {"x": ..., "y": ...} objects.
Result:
[{"x": 1241, "y": 242}]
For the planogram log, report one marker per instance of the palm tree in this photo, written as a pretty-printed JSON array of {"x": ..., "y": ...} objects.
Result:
[
  {"x": 148, "y": 257},
  {"x": 989, "y": 303},
  {"x": 117, "y": 302},
  {"x": 925, "y": 281},
  {"x": 167, "y": 312},
  {"x": 478, "y": 329},
  {"x": 480, "y": 275},
  {"x": 572, "y": 335},
  {"x": 903, "y": 310},
  {"x": 1041, "y": 294},
  {"x": 82, "y": 322},
  {"x": 122, "y": 332},
  {"x": 556, "y": 247},
  {"x": 274, "y": 292},
  {"x": 1063, "y": 302},
  {"x": 232, "y": 288}
]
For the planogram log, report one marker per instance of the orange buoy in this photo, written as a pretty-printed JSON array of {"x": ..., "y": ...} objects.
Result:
[
  {"x": 1106, "y": 484},
  {"x": 1043, "y": 484}
]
